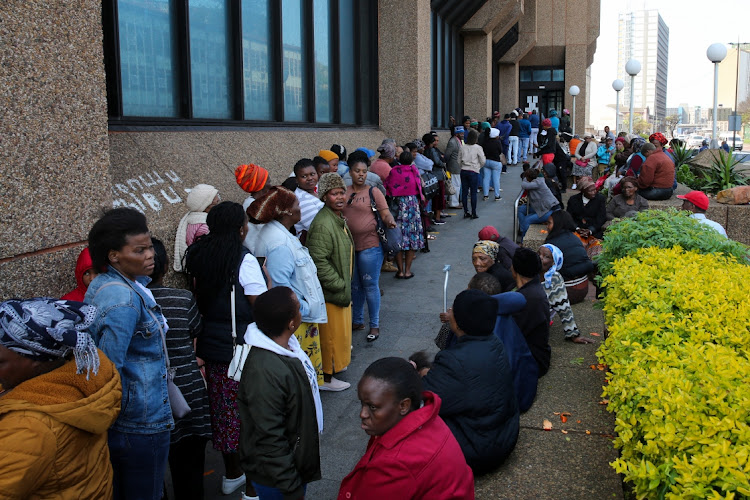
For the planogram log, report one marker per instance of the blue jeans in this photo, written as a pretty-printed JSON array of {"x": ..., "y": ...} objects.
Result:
[
  {"x": 527, "y": 217},
  {"x": 513, "y": 149},
  {"x": 492, "y": 170},
  {"x": 139, "y": 462},
  {"x": 469, "y": 182},
  {"x": 271, "y": 493},
  {"x": 524, "y": 145},
  {"x": 365, "y": 285}
]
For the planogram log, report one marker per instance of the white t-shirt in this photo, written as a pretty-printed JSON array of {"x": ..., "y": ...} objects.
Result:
[
  {"x": 251, "y": 277},
  {"x": 309, "y": 206}
]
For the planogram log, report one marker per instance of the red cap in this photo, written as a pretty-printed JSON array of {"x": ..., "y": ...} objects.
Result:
[
  {"x": 697, "y": 198},
  {"x": 489, "y": 233}
]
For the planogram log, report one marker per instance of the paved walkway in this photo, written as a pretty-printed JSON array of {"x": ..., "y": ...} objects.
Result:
[{"x": 545, "y": 464}]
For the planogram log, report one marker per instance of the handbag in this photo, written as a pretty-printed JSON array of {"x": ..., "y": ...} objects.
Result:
[
  {"x": 450, "y": 189},
  {"x": 582, "y": 163},
  {"x": 429, "y": 185},
  {"x": 177, "y": 401},
  {"x": 390, "y": 238},
  {"x": 239, "y": 351}
]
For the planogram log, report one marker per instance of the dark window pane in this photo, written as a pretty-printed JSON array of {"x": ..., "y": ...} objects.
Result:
[
  {"x": 323, "y": 90},
  {"x": 256, "y": 60},
  {"x": 347, "y": 76},
  {"x": 558, "y": 75},
  {"x": 525, "y": 75},
  {"x": 295, "y": 98},
  {"x": 542, "y": 75},
  {"x": 368, "y": 67},
  {"x": 210, "y": 69},
  {"x": 147, "y": 60}
]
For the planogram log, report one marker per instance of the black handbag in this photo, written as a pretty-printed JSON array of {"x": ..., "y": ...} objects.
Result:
[
  {"x": 429, "y": 185},
  {"x": 390, "y": 239}
]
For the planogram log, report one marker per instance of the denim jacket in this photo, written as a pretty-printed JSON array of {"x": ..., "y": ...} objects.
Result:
[
  {"x": 127, "y": 330},
  {"x": 289, "y": 264}
]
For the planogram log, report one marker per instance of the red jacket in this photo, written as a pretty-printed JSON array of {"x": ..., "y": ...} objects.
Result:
[
  {"x": 417, "y": 459},
  {"x": 657, "y": 171}
]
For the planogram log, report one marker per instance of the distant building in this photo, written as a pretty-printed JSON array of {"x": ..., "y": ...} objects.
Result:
[
  {"x": 728, "y": 77},
  {"x": 643, "y": 35}
]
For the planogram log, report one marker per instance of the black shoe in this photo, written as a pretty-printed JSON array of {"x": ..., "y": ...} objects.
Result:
[
  {"x": 438, "y": 222},
  {"x": 467, "y": 215},
  {"x": 474, "y": 216}
]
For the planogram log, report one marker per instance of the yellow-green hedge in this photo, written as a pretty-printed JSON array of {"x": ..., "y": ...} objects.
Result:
[{"x": 678, "y": 353}]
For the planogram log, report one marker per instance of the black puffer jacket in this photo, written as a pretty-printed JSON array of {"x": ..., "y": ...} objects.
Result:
[
  {"x": 576, "y": 262},
  {"x": 474, "y": 381}
]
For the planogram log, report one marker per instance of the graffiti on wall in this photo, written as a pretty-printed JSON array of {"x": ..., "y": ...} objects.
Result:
[{"x": 149, "y": 191}]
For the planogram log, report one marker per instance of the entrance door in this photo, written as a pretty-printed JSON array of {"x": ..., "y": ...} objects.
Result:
[{"x": 542, "y": 101}]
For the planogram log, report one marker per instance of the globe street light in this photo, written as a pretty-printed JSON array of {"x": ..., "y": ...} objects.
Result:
[
  {"x": 617, "y": 85},
  {"x": 632, "y": 67},
  {"x": 716, "y": 53},
  {"x": 574, "y": 91}
]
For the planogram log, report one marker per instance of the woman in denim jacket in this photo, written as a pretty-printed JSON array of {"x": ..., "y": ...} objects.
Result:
[
  {"x": 128, "y": 329},
  {"x": 288, "y": 263}
]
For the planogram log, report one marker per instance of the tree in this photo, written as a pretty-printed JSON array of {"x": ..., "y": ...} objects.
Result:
[
  {"x": 670, "y": 123},
  {"x": 640, "y": 126},
  {"x": 743, "y": 109}
]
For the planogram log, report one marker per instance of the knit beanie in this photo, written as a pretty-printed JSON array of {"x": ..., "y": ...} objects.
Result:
[
  {"x": 328, "y": 155},
  {"x": 200, "y": 197},
  {"x": 329, "y": 181},
  {"x": 475, "y": 312},
  {"x": 526, "y": 263}
]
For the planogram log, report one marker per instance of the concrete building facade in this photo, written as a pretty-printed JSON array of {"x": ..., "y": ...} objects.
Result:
[
  {"x": 734, "y": 77},
  {"x": 132, "y": 102}
]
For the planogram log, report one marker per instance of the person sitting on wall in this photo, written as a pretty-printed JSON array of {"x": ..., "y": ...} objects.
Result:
[
  {"x": 696, "y": 202},
  {"x": 576, "y": 262},
  {"x": 656, "y": 178},
  {"x": 588, "y": 208}
]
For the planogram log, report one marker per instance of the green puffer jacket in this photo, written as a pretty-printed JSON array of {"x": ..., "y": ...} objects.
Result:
[
  {"x": 279, "y": 428},
  {"x": 331, "y": 247}
]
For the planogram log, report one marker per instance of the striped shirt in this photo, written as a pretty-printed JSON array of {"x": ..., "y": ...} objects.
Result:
[
  {"x": 181, "y": 312},
  {"x": 309, "y": 205}
]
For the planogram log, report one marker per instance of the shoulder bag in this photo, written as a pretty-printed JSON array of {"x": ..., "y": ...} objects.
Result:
[
  {"x": 390, "y": 238},
  {"x": 429, "y": 185},
  {"x": 239, "y": 351},
  {"x": 450, "y": 189}
]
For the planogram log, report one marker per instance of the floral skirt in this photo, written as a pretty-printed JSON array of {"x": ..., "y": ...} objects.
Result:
[
  {"x": 225, "y": 415},
  {"x": 409, "y": 220}
]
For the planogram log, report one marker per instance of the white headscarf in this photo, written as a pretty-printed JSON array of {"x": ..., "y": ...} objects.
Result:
[{"x": 199, "y": 198}]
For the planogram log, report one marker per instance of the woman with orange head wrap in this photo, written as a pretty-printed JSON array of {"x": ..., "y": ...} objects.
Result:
[{"x": 254, "y": 180}]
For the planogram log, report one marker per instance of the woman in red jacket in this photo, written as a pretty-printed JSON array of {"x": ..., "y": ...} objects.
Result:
[{"x": 411, "y": 454}]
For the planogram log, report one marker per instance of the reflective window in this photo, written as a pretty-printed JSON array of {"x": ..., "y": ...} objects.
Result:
[
  {"x": 293, "y": 66},
  {"x": 210, "y": 69},
  {"x": 147, "y": 62},
  {"x": 525, "y": 75},
  {"x": 346, "y": 56},
  {"x": 542, "y": 75},
  {"x": 558, "y": 75},
  {"x": 323, "y": 90},
  {"x": 256, "y": 60}
]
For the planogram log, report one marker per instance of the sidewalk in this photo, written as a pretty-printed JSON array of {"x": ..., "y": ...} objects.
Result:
[{"x": 545, "y": 464}]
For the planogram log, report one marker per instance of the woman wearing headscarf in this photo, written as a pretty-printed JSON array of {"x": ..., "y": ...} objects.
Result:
[
  {"x": 586, "y": 155},
  {"x": 85, "y": 274},
  {"x": 58, "y": 397},
  {"x": 289, "y": 264},
  {"x": 588, "y": 208},
  {"x": 485, "y": 259},
  {"x": 129, "y": 328},
  {"x": 253, "y": 180},
  {"x": 332, "y": 249},
  {"x": 201, "y": 199},
  {"x": 554, "y": 286},
  {"x": 404, "y": 184}
]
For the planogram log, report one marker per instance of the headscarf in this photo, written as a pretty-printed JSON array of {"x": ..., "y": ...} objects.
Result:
[
  {"x": 199, "y": 198},
  {"x": 552, "y": 112},
  {"x": 620, "y": 139},
  {"x": 251, "y": 178},
  {"x": 659, "y": 137},
  {"x": 557, "y": 262},
  {"x": 636, "y": 143},
  {"x": 546, "y": 122},
  {"x": 329, "y": 181},
  {"x": 328, "y": 155},
  {"x": 272, "y": 205},
  {"x": 484, "y": 126},
  {"x": 585, "y": 182},
  {"x": 494, "y": 133},
  {"x": 369, "y": 152},
  {"x": 419, "y": 143},
  {"x": 487, "y": 247},
  {"x": 387, "y": 149},
  {"x": 46, "y": 329}
]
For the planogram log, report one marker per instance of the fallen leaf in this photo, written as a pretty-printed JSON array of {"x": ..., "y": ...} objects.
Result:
[
  {"x": 604, "y": 402},
  {"x": 578, "y": 421},
  {"x": 557, "y": 413},
  {"x": 565, "y": 413},
  {"x": 593, "y": 367},
  {"x": 576, "y": 361},
  {"x": 543, "y": 231},
  {"x": 563, "y": 418},
  {"x": 547, "y": 425},
  {"x": 596, "y": 334},
  {"x": 567, "y": 438},
  {"x": 564, "y": 431},
  {"x": 601, "y": 367},
  {"x": 588, "y": 432}
]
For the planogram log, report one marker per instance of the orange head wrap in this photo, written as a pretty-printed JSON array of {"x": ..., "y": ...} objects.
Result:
[{"x": 251, "y": 178}]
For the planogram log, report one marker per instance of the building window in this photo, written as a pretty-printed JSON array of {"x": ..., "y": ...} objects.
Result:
[
  {"x": 232, "y": 62},
  {"x": 447, "y": 72}
]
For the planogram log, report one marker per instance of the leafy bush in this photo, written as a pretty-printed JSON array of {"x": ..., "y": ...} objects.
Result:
[
  {"x": 686, "y": 176},
  {"x": 723, "y": 174},
  {"x": 664, "y": 229},
  {"x": 678, "y": 353}
]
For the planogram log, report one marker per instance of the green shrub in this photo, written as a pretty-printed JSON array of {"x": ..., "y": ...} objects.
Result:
[
  {"x": 664, "y": 229},
  {"x": 678, "y": 353}
]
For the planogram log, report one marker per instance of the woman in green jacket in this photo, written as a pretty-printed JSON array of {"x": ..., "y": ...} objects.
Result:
[{"x": 332, "y": 249}]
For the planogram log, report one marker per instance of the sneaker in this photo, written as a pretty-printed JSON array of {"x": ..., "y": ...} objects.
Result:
[
  {"x": 573, "y": 187},
  {"x": 498, "y": 198},
  {"x": 504, "y": 172},
  {"x": 245, "y": 497},
  {"x": 389, "y": 267},
  {"x": 335, "y": 385},
  {"x": 485, "y": 198},
  {"x": 492, "y": 188},
  {"x": 467, "y": 215},
  {"x": 229, "y": 486},
  {"x": 438, "y": 222}
]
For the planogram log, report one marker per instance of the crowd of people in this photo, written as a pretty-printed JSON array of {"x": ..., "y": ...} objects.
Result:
[{"x": 125, "y": 376}]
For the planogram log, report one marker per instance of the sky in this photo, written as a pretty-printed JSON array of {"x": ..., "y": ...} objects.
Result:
[{"x": 693, "y": 26}]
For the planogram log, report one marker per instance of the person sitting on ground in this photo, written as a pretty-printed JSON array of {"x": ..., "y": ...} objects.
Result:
[
  {"x": 474, "y": 380},
  {"x": 541, "y": 202},
  {"x": 255, "y": 181},
  {"x": 201, "y": 199},
  {"x": 309, "y": 203},
  {"x": 696, "y": 202},
  {"x": 412, "y": 453},
  {"x": 484, "y": 257},
  {"x": 588, "y": 208},
  {"x": 533, "y": 319},
  {"x": 657, "y": 174},
  {"x": 280, "y": 410},
  {"x": 627, "y": 203},
  {"x": 85, "y": 274},
  {"x": 554, "y": 286},
  {"x": 576, "y": 263},
  {"x": 58, "y": 397},
  {"x": 507, "y": 246}
]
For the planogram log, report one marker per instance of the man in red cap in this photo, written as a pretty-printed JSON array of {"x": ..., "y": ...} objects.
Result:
[{"x": 697, "y": 203}]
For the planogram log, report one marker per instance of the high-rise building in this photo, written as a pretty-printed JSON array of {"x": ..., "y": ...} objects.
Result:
[
  {"x": 643, "y": 35},
  {"x": 729, "y": 90}
]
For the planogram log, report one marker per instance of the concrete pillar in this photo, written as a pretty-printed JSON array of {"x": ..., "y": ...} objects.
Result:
[
  {"x": 404, "y": 61},
  {"x": 508, "y": 88},
  {"x": 478, "y": 75},
  {"x": 575, "y": 74}
]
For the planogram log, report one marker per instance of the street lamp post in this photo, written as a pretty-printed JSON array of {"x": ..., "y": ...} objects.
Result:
[
  {"x": 574, "y": 91},
  {"x": 632, "y": 67},
  {"x": 617, "y": 85},
  {"x": 716, "y": 53}
]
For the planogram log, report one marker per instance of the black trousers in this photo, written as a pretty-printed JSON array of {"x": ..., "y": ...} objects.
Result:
[{"x": 187, "y": 459}]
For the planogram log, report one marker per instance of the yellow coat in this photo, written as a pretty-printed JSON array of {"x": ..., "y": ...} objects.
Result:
[{"x": 53, "y": 434}]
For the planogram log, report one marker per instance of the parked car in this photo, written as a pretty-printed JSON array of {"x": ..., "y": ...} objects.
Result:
[
  {"x": 738, "y": 142},
  {"x": 695, "y": 141}
]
